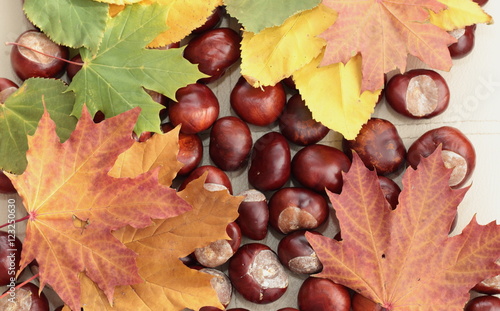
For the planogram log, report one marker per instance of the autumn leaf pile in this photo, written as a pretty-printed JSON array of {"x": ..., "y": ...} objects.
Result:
[{"x": 104, "y": 225}]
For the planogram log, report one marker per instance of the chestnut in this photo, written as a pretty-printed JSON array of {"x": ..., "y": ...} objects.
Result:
[
  {"x": 27, "y": 63},
  {"x": 319, "y": 167},
  {"x": 6, "y": 186},
  {"x": 295, "y": 253},
  {"x": 257, "y": 105},
  {"x": 390, "y": 189},
  {"x": 483, "y": 303},
  {"x": 190, "y": 150},
  {"x": 212, "y": 21},
  {"x": 218, "y": 252},
  {"x": 7, "y": 87},
  {"x": 361, "y": 303},
  {"x": 465, "y": 41},
  {"x": 25, "y": 298},
  {"x": 322, "y": 294},
  {"x": 457, "y": 151},
  {"x": 10, "y": 256},
  {"x": 72, "y": 68},
  {"x": 196, "y": 108},
  {"x": 230, "y": 143},
  {"x": 214, "y": 51},
  {"x": 257, "y": 274},
  {"x": 215, "y": 176},
  {"x": 270, "y": 162},
  {"x": 296, "y": 208},
  {"x": 489, "y": 286},
  {"x": 298, "y": 126},
  {"x": 379, "y": 146},
  {"x": 481, "y": 2},
  {"x": 221, "y": 284},
  {"x": 288, "y": 309},
  {"x": 418, "y": 93},
  {"x": 253, "y": 214}
]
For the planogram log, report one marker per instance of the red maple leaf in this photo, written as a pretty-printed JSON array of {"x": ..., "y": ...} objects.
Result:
[
  {"x": 384, "y": 32},
  {"x": 404, "y": 259}
]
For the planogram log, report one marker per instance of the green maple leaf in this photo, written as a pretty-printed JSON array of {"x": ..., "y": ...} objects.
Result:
[
  {"x": 73, "y": 23},
  {"x": 115, "y": 78},
  {"x": 255, "y": 15},
  {"x": 19, "y": 117}
]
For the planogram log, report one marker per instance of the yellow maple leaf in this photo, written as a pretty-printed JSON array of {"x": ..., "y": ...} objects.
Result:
[
  {"x": 158, "y": 151},
  {"x": 183, "y": 17},
  {"x": 333, "y": 94},
  {"x": 459, "y": 14},
  {"x": 275, "y": 53}
]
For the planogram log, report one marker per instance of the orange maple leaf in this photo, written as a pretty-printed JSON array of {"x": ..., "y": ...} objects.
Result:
[
  {"x": 168, "y": 283},
  {"x": 384, "y": 33},
  {"x": 74, "y": 205},
  {"x": 404, "y": 259}
]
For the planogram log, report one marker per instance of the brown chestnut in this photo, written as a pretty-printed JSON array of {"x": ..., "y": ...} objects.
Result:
[
  {"x": 215, "y": 176},
  {"x": 296, "y": 208},
  {"x": 322, "y": 294},
  {"x": 214, "y": 51},
  {"x": 10, "y": 254},
  {"x": 319, "y": 167},
  {"x": 28, "y": 64},
  {"x": 218, "y": 252},
  {"x": 418, "y": 93},
  {"x": 483, "y": 303},
  {"x": 457, "y": 151},
  {"x": 379, "y": 146},
  {"x": 489, "y": 286},
  {"x": 221, "y": 284},
  {"x": 72, "y": 68},
  {"x": 298, "y": 126},
  {"x": 196, "y": 108},
  {"x": 295, "y": 253},
  {"x": 465, "y": 41},
  {"x": 230, "y": 143},
  {"x": 258, "y": 106},
  {"x": 253, "y": 214},
  {"x": 212, "y": 21},
  {"x": 390, "y": 189},
  {"x": 270, "y": 162},
  {"x": 288, "y": 309},
  {"x": 190, "y": 150},
  {"x": 257, "y": 274},
  {"x": 25, "y": 298},
  {"x": 481, "y": 2},
  {"x": 7, "y": 87},
  {"x": 361, "y": 303}
]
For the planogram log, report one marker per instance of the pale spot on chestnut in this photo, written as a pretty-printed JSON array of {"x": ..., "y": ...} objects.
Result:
[
  {"x": 422, "y": 95},
  {"x": 267, "y": 271}
]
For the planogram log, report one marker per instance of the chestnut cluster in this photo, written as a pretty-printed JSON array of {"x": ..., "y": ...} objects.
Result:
[{"x": 288, "y": 169}]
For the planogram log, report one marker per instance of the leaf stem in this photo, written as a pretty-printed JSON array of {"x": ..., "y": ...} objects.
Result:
[
  {"x": 45, "y": 54},
  {"x": 17, "y": 220}
]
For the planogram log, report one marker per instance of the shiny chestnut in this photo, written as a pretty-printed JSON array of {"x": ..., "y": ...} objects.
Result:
[
  {"x": 319, "y": 167},
  {"x": 230, "y": 143},
  {"x": 257, "y": 274},
  {"x": 257, "y": 105},
  {"x": 297, "y": 124},
  {"x": 322, "y": 294},
  {"x": 418, "y": 93},
  {"x": 190, "y": 150},
  {"x": 270, "y": 162},
  {"x": 457, "y": 151},
  {"x": 253, "y": 214},
  {"x": 361, "y": 303},
  {"x": 7, "y": 87},
  {"x": 219, "y": 252},
  {"x": 489, "y": 286},
  {"x": 9, "y": 265},
  {"x": 221, "y": 284},
  {"x": 295, "y": 253},
  {"x": 212, "y": 21},
  {"x": 379, "y": 146},
  {"x": 390, "y": 189},
  {"x": 214, "y": 51},
  {"x": 483, "y": 303},
  {"x": 465, "y": 41},
  {"x": 296, "y": 208},
  {"x": 215, "y": 176},
  {"x": 28, "y": 64},
  {"x": 25, "y": 298},
  {"x": 196, "y": 108}
]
